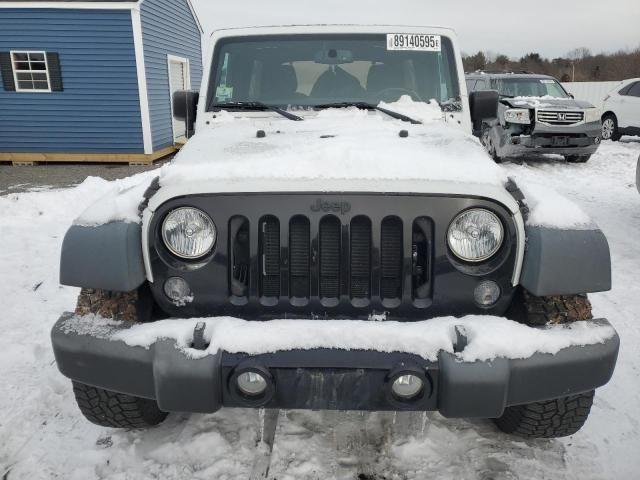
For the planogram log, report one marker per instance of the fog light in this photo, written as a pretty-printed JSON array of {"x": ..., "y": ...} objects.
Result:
[
  {"x": 177, "y": 289},
  {"x": 406, "y": 387},
  {"x": 486, "y": 293},
  {"x": 251, "y": 384}
]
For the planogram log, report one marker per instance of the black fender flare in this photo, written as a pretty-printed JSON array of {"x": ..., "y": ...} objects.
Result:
[
  {"x": 565, "y": 262},
  {"x": 106, "y": 256}
]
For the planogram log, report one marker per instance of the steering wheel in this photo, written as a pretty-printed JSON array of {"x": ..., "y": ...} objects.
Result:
[{"x": 412, "y": 93}]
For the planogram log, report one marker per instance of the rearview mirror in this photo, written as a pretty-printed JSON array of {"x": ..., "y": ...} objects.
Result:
[
  {"x": 185, "y": 105},
  {"x": 334, "y": 56},
  {"x": 483, "y": 105}
]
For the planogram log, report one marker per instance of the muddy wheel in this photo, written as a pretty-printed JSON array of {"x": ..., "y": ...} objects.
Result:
[
  {"x": 549, "y": 419},
  {"x": 117, "y": 410},
  {"x": 561, "y": 416},
  {"x": 134, "y": 306},
  {"x": 610, "y": 128},
  {"x": 551, "y": 310},
  {"x": 489, "y": 145},
  {"x": 104, "y": 407},
  {"x": 577, "y": 158}
]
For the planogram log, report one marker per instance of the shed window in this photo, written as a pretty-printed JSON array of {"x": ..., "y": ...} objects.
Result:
[{"x": 31, "y": 72}]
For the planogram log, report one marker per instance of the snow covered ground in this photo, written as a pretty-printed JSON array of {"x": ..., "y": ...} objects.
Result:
[{"x": 42, "y": 434}]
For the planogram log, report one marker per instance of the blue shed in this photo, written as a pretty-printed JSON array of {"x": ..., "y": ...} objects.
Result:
[{"x": 92, "y": 80}]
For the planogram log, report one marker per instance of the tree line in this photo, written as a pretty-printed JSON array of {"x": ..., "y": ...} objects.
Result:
[{"x": 579, "y": 65}]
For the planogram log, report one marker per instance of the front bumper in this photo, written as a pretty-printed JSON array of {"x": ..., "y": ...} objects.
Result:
[
  {"x": 330, "y": 379},
  {"x": 573, "y": 140}
]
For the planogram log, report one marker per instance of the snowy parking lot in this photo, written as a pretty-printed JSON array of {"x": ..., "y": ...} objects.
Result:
[{"x": 43, "y": 435}]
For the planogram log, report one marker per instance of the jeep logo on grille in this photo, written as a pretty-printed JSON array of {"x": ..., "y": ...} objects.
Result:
[{"x": 337, "y": 207}]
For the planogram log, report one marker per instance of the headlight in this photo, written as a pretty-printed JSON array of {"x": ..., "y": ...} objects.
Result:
[
  {"x": 475, "y": 235},
  {"x": 517, "y": 115},
  {"x": 592, "y": 115},
  {"x": 188, "y": 232}
]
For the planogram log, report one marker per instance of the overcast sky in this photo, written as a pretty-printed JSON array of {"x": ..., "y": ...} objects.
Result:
[{"x": 549, "y": 27}]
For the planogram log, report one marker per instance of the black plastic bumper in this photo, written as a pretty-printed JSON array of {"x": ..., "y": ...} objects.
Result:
[
  {"x": 330, "y": 379},
  {"x": 544, "y": 144}
]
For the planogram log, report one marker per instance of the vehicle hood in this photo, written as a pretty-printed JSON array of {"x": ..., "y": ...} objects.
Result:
[
  {"x": 337, "y": 150},
  {"x": 334, "y": 144},
  {"x": 546, "y": 102}
]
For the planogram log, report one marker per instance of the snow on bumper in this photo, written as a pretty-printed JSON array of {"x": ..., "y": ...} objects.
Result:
[{"x": 345, "y": 365}]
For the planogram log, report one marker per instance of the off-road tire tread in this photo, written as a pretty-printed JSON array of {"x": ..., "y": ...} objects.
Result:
[
  {"x": 108, "y": 304},
  {"x": 549, "y": 419},
  {"x": 551, "y": 310},
  {"x": 117, "y": 410}
]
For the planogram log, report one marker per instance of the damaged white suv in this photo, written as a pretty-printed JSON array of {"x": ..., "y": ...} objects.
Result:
[{"x": 334, "y": 237}]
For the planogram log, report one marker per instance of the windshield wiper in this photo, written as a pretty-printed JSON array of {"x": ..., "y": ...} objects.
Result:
[
  {"x": 257, "y": 106},
  {"x": 370, "y": 106}
]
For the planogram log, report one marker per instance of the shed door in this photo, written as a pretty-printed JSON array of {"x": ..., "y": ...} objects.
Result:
[{"x": 178, "y": 80}]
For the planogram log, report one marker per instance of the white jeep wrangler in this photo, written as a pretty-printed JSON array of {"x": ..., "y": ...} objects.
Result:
[{"x": 333, "y": 237}]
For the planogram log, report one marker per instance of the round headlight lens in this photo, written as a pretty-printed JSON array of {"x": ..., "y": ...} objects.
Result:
[
  {"x": 475, "y": 235},
  {"x": 188, "y": 233}
]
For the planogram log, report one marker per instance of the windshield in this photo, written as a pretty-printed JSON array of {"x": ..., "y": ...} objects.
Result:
[
  {"x": 312, "y": 70},
  {"x": 529, "y": 87}
]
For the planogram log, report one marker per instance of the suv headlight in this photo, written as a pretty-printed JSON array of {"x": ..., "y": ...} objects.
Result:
[
  {"x": 188, "y": 232},
  {"x": 592, "y": 115},
  {"x": 475, "y": 235},
  {"x": 517, "y": 115}
]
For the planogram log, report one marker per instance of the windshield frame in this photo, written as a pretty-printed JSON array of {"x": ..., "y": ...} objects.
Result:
[{"x": 210, "y": 102}]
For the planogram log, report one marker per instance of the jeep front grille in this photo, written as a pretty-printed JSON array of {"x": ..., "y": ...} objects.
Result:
[
  {"x": 334, "y": 259},
  {"x": 553, "y": 117}
]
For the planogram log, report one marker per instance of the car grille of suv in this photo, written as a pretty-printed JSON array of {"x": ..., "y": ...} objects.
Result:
[
  {"x": 332, "y": 259},
  {"x": 551, "y": 117}
]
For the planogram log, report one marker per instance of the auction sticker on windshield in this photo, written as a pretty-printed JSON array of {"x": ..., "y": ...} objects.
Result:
[{"x": 412, "y": 41}]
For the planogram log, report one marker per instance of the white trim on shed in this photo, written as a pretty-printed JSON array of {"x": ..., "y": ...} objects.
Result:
[
  {"x": 142, "y": 80},
  {"x": 72, "y": 5}
]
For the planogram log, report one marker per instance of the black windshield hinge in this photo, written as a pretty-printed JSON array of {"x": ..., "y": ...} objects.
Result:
[
  {"x": 518, "y": 196},
  {"x": 151, "y": 190}
]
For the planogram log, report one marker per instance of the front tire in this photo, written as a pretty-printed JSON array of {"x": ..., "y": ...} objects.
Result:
[
  {"x": 489, "y": 145},
  {"x": 560, "y": 417},
  {"x": 610, "y": 128},
  {"x": 551, "y": 310},
  {"x": 104, "y": 407},
  {"x": 116, "y": 410},
  {"x": 577, "y": 158}
]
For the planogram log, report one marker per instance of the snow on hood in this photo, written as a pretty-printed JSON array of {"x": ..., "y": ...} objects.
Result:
[
  {"x": 547, "y": 101},
  {"x": 360, "y": 148},
  {"x": 333, "y": 144},
  {"x": 488, "y": 337},
  {"x": 346, "y": 143},
  {"x": 550, "y": 209}
]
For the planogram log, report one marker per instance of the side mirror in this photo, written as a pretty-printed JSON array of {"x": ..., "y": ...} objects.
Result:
[
  {"x": 185, "y": 105},
  {"x": 483, "y": 105}
]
